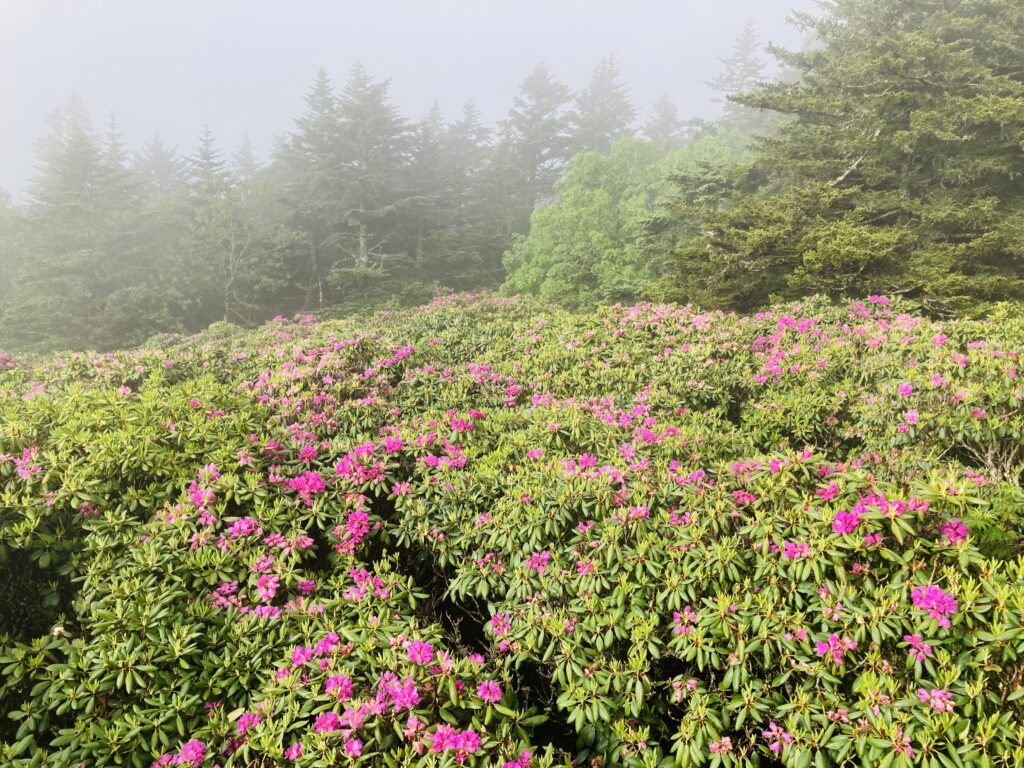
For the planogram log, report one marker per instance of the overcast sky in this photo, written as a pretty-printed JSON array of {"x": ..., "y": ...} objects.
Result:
[{"x": 168, "y": 66}]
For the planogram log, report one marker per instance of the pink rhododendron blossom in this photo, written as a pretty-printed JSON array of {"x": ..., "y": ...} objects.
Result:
[
  {"x": 248, "y": 720},
  {"x": 835, "y": 647},
  {"x": 683, "y": 621},
  {"x": 294, "y": 752},
  {"x": 523, "y": 761},
  {"x": 267, "y": 586},
  {"x": 872, "y": 539},
  {"x": 938, "y": 699},
  {"x": 901, "y": 745},
  {"x": 339, "y": 685},
  {"x": 936, "y": 602},
  {"x": 539, "y": 561},
  {"x": 795, "y": 550},
  {"x": 489, "y": 691},
  {"x": 721, "y": 747},
  {"x": 829, "y": 493},
  {"x": 845, "y": 522},
  {"x": 420, "y": 652},
  {"x": 954, "y": 530},
  {"x": 777, "y": 737},
  {"x": 327, "y": 722},
  {"x": 301, "y": 654},
  {"x": 247, "y": 526},
  {"x": 919, "y": 650}
]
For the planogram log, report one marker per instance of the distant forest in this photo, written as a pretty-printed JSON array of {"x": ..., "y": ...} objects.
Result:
[
  {"x": 357, "y": 207},
  {"x": 888, "y": 157}
]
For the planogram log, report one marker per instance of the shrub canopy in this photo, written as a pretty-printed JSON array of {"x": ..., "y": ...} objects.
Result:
[{"x": 489, "y": 533}]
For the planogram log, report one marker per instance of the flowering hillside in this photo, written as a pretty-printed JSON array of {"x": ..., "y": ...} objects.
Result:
[{"x": 487, "y": 533}]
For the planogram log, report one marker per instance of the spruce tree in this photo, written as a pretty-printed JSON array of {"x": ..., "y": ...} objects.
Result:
[
  {"x": 56, "y": 302},
  {"x": 898, "y": 172},
  {"x": 308, "y": 167},
  {"x": 225, "y": 250},
  {"x": 473, "y": 251},
  {"x": 743, "y": 71},
  {"x": 244, "y": 164},
  {"x": 373, "y": 155},
  {"x": 538, "y": 140},
  {"x": 427, "y": 212},
  {"x": 158, "y": 169},
  {"x": 664, "y": 125},
  {"x": 603, "y": 113}
]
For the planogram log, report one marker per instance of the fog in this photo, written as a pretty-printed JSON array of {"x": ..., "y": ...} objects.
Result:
[{"x": 243, "y": 66}]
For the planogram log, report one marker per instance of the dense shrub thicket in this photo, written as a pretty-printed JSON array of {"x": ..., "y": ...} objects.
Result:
[{"x": 490, "y": 533}]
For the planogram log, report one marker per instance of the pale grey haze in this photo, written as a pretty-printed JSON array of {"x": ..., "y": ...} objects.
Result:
[{"x": 243, "y": 66}]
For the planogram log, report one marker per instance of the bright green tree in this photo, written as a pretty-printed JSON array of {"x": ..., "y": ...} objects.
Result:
[
  {"x": 581, "y": 247},
  {"x": 589, "y": 246}
]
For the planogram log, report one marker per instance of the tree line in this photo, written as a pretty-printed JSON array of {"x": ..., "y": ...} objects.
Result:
[
  {"x": 887, "y": 157},
  {"x": 357, "y": 206}
]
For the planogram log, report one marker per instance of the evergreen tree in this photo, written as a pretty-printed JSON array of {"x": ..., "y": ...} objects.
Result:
[
  {"x": 538, "y": 139},
  {"x": 470, "y": 136},
  {"x": 207, "y": 162},
  {"x": 56, "y": 303},
  {"x": 664, "y": 125},
  {"x": 308, "y": 166},
  {"x": 12, "y": 251},
  {"x": 899, "y": 172},
  {"x": 244, "y": 164},
  {"x": 225, "y": 250},
  {"x": 161, "y": 183},
  {"x": 743, "y": 71},
  {"x": 373, "y": 154},
  {"x": 473, "y": 250},
  {"x": 158, "y": 169},
  {"x": 428, "y": 211},
  {"x": 603, "y": 113}
]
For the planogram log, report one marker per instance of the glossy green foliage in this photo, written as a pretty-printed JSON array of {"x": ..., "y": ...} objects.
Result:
[{"x": 488, "y": 533}]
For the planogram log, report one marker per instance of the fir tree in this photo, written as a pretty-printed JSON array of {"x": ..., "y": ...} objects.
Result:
[
  {"x": 374, "y": 150},
  {"x": 898, "y": 173},
  {"x": 664, "y": 125},
  {"x": 743, "y": 71},
  {"x": 538, "y": 140},
  {"x": 244, "y": 164},
  {"x": 307, "y": 165},
  {"x": 159, "y": 169},
  {"x": 603, "y": 113}
]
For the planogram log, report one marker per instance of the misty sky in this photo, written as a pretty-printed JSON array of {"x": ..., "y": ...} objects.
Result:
[{"x": 168, "y": 66}]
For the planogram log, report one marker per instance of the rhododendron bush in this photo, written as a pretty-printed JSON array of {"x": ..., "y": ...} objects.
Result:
[{"x": 490, "y": 533}]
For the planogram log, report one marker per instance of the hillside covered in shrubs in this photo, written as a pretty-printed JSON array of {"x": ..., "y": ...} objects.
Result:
[{"x": 490, "y": 533}]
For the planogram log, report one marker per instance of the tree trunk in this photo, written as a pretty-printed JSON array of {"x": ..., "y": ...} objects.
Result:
[{"x": 364, "y": 255}]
